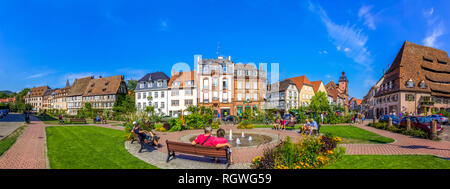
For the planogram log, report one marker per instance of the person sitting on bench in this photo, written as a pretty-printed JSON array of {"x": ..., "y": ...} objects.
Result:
[
  {"x": 205, "y": 139},
  {"x": 276, "y": 124},
  {"x": 306, "y": 127},
  {"x": 148, "y": 137},
  {"x": 220, "y": 141},
  {"x": 313, "y": 126}
]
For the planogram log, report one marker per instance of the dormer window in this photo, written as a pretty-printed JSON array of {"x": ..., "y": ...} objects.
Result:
[
  {"x": 107, "y": 83},
  {"x": 427, "y": 59},
  {"x": 423, "y": 85},
  {"x": 442, "y": 62},
  {"x": 104, "y": 89},
  {"x": 410, "y": 83}
]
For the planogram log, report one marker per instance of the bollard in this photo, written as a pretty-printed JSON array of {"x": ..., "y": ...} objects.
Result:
[
  {"x": 390, "y": 121},
  {"x": 408, "y": 124},
  {"x": 433, "y": 129}
]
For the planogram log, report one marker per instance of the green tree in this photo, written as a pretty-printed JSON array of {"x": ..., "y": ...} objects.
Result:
[
  {"x": 319, "y": 103},
  {"x": 124, "y": 104}
]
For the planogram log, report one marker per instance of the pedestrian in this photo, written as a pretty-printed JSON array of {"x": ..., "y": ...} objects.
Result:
[{"x": 321, "y": 117}]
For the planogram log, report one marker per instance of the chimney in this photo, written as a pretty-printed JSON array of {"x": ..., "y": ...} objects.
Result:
[
  {"x": 220, "y": 57},
  {"x": 229, "y": 58},
  {"x": 383, "y": 71},
  {"x": 99, "y": 76}
]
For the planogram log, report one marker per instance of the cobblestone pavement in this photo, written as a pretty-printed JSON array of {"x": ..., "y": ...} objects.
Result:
[
  {"x": 10, "y": 123},
  {"x": 403, "y": 145}
]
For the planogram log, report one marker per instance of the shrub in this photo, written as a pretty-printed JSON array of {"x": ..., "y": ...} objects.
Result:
[
  {"x": 175, "y": 125},
  {"x": 215, "y": 125},
  {"x": 245, "y": 125},
  {"x": 309, "y": 153},
  {"x": 412, "y": 132}
]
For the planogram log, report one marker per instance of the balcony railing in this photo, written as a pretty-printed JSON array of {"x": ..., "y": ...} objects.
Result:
[{"x": 427, "y": 103}]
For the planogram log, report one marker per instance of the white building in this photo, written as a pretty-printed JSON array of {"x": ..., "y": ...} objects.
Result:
[
  {"x": 215, "y": 84},
  {"x": 152, "y": 90},
  {"x": 182, "y": 92}
]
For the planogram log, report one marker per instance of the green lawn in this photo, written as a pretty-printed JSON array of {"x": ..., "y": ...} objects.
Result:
[
  {"x": 8, "y": 141},
  {"x": 390, "y": 162},
  {"x": 89, "y": 147},
  {"x": 351, "y": 135}
]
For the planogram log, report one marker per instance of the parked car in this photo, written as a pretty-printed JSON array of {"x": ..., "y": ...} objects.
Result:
[
  {"x": 395, "y": 119},
  {"x": 421, "y": 122},
  {"x": 230, "y": 119},
  {"x": 439, "y": 118}
]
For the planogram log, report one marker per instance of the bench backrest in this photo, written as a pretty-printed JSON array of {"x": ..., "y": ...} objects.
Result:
[
  {"x": 77, "y": 119},
  {"x": 291, "y": 124},
  {"x": 196, "y": 149}
]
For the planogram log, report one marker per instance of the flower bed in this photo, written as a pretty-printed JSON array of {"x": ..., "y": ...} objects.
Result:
[{"x": 307, "y": 153}]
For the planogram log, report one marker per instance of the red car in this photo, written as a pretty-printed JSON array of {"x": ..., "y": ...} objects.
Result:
[{"x": 421, "y": 122}]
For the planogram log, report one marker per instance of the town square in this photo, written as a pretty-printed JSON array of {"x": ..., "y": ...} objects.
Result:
[{"x": 294, "y": 85}]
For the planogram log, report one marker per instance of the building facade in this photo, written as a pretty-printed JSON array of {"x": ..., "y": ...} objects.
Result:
[
  {"x": 75, "y": 93},
  {"x": 305, "y": 89},
  {"x": 103, "y": 92},
  {"x": 417, "y": 82},
  {"x": 182, "y": 92},
  {"x": 35, "y": 97},
  {"x": 152, "y": 90},
  {"x": 59, "y": 98},
  {"x": 215, "y": 84},
  {"x": 250, "y": 84},
  {"x": 283, "y": 99}
]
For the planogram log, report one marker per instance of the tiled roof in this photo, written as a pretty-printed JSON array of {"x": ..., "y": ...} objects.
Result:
[
  {"x": 154, "y": 76},
  {"x": 79, "y": 86},
  {"x": 182, "y": 77},
  {"x": 316, "y": 85},
  {"x": 419, "y": 64},
  {"x": 104, "y": 86},
  {"x": 332, "y": 90},
  {"x": 38, "y": 91},
  {"x": 300, "y": 81}
]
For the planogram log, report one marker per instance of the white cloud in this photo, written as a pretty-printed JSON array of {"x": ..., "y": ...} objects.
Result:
[
  {"x": 431, "y": 39},
  {"x": 369, "y": 18},
  {"x": 163, "y": 25},
  {"x": 436, "y": 28},
  {"x": 38, "y": 75},
  {"x": 347, "y": 37},
  {"x": 323, "y": 52}
]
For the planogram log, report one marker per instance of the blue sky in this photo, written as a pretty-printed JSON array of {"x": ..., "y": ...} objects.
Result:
[{"x": 46, "y": 42}]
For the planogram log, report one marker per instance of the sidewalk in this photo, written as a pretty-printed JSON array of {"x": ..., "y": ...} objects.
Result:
[{"x": 403, "y": 145}]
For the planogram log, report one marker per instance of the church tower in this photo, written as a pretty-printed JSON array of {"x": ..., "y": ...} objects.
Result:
[{"x": 343, "y": 84}]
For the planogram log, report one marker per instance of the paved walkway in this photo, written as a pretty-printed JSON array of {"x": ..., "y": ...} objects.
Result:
[
  {"x": 29, "y": 151},
  {"x": 403, "y": 145},
  {"x": 10, "y": 123}
]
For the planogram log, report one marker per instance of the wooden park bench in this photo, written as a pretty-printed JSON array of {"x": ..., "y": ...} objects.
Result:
[
  {"x": 188, "y": 148},
  {"x": 290, "y": 125},
  {"x": 77, "y": 120},
  {"x": 94, "y": 120}
]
